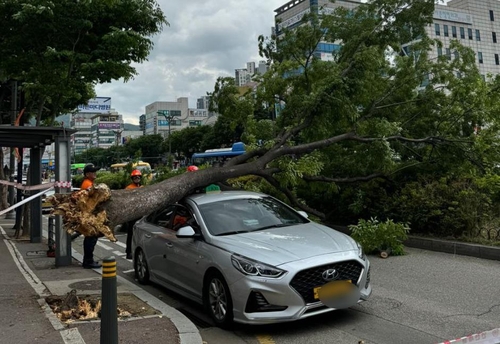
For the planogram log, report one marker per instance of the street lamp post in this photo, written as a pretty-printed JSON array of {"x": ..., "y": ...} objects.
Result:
[
  {"x": 169, "y": 118},
  {"x": 118, "y": 134}
]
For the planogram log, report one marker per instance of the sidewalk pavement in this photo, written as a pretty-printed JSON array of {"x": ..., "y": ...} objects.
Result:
[{"x": 29, "y": 276}]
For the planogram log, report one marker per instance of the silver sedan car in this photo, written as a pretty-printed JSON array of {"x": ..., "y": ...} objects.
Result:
[{"x": 249, "y": 258}]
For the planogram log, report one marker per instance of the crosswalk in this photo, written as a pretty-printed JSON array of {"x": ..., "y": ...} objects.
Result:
[
  {"x": 116, "y": 249},
  {"x": 104, "y": 247}
]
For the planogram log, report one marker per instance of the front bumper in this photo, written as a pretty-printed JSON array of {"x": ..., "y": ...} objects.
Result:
[{"x": 278, "y": 293}]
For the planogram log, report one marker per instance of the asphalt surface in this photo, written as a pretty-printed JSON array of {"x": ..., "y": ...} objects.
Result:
[{"x": 28, "y": 276}]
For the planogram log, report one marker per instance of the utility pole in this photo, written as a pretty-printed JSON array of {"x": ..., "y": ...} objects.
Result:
[{"x": 118, "y": 134}]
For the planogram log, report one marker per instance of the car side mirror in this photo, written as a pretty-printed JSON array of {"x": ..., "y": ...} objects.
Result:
[
  {"x": 303, "y": 213},
  {"x": 187, "y": 232}
]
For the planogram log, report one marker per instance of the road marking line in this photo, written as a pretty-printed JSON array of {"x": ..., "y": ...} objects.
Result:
[
  {"x": 104, "y": 246},
  {"x": 119, "y": 253},
  {"x": 120, "y": 244},
  {"x": 28, "y": 274},
  {"x": 265, "y": 339}
]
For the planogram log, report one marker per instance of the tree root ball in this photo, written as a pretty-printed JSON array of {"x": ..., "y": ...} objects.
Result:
[{"x": 80, "y": 211}]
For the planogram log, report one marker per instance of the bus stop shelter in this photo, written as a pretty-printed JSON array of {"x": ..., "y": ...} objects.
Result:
[{"x": 36, "y": 139}]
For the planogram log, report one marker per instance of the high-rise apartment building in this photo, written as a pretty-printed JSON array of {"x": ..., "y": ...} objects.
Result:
[
  {"x": 203, "y": 102},
  {"x": 262, "y": 68},
  {"x": 241, "y": 76},
  {"x": 244, "y": 76}
]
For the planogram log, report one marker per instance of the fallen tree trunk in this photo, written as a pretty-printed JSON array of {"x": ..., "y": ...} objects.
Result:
[{"x": 98, "y": 210}]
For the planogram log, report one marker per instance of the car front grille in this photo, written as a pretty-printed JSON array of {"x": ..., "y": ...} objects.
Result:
[{"x": 305, "y": 281}]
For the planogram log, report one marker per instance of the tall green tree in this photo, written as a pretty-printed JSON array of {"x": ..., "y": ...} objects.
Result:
[
  {"x": 59, "y": 50},
  {"x": 368, "y": 114},
  {"x": 187, "y": 141},
  {"x": 147, "y": 147}
]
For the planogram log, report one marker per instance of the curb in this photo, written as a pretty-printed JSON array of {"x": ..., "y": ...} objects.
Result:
[
  {"x": 440, "y": 245},
  {"x": 454, "y": 247},
  {"x": 187, "y": 331}
]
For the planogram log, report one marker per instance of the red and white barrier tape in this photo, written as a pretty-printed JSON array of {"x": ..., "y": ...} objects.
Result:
[
  {"x": 26, "y": 200},
  {"x": 488, "y": 337},
  {"x": 64, "y": 185}
]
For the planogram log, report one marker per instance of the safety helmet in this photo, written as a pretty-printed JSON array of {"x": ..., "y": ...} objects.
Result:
[
  {"x": 192, "y": 168},
  {"x": 136, "y": 173}
]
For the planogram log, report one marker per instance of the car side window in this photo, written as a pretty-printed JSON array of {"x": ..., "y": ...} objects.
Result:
[
  {"x": 163, "y": 217},
  {"x": 182, "y": 217}
]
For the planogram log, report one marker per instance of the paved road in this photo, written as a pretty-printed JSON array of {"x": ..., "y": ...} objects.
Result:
[{"x": 423, "y": 297}]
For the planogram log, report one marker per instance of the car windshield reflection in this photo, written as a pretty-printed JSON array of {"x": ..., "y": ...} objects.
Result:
[{"x": 237, "y": 216}]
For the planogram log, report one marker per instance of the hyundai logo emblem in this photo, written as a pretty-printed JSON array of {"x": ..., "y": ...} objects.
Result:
[{"x": 330, "y": 274}]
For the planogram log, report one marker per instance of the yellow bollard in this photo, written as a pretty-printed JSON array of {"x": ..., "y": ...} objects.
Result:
[{"x": 109, "y": 314}]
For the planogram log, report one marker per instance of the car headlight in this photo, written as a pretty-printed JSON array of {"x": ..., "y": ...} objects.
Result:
[
  {"x": 254, "y": 268},
  {"x": 361, "y": 254}
]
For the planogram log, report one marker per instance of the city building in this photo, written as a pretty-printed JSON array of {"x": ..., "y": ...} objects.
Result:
[
  {"x": 290, "y": 16},
  {"x": 97, "y": 125},
  {"x": 128, "y": 135},
  {"x": 246, "y": 75},
  {"x": 163, "y": 117},
  {"x": 475, "y": 24},
  {"x": 106, "y": 130},
  {"x": 81, "y": 139},
  {"x": 241, "y": 77},
  {"x": 203, "y": 102}
]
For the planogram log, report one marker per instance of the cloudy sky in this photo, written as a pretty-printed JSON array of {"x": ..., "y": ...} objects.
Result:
[{"x": 206, "y": 39}]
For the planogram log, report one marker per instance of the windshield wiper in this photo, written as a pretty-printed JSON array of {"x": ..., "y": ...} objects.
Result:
[
  {"x": 278, "y": 225},
  {"x": 231, "y": 233}
]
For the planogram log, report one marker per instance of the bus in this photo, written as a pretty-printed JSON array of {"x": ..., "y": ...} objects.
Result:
[
  {"x": 142, "y": 166},
  {"x": 219, "y": 155},
  {"x": 77, "y": 168}
]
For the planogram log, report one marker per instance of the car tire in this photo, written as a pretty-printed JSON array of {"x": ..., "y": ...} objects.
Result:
[
  {"x": 218, "y": 301},
  {"x": 141, "y": 268}
]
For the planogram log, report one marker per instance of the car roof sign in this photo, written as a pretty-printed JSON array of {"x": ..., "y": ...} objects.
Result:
[{"x": 212, "y": 188}]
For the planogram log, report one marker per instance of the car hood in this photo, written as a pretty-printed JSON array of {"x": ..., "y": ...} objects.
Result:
[{"x": 286, "y": 244}]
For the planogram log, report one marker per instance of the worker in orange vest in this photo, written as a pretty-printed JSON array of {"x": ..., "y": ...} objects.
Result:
[{"x": 136, "y": 176}]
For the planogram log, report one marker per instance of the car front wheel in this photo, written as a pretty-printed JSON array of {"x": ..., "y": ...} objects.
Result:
[
  {"x": 218, "y": 300},
  {"x": 141, "y": 267}
]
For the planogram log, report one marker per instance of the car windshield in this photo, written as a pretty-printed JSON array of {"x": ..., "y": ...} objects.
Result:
[{"x": 236, "y": 216}]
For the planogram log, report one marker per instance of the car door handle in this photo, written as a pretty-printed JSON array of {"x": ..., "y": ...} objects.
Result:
[
  {"x": 169, "y": 244},
  {"x": 148, "y": 235}
]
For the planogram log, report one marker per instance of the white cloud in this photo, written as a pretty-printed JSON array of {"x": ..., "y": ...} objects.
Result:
[{"x": 206, "y": 39}]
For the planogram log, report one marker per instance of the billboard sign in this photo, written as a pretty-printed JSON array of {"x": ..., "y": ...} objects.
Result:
[
  {"x": 96, "y": 105},
  {"x": 104, "y": 125},
  {"x": 453, "y": 16}
]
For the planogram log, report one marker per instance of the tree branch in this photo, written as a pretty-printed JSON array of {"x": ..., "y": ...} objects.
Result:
[
  {"x": 295, "y": 202},
  {"x": 344, "y": 180}
]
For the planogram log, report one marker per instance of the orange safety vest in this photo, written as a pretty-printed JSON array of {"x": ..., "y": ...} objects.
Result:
[{"x": 87, "y": 183}]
